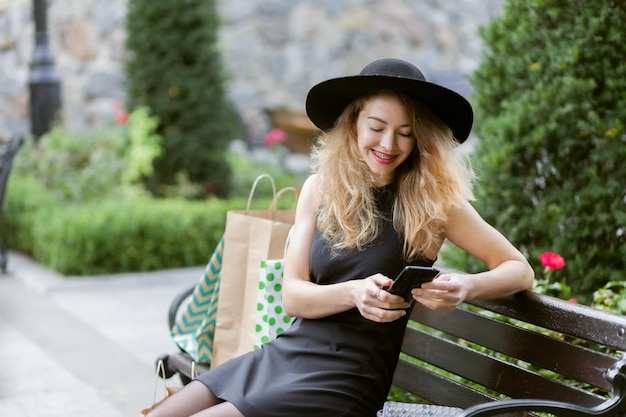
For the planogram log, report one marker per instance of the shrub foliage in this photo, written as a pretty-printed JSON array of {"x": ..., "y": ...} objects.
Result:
[
  {"x": 75, "y": 203},
  {"x": 110, "y": 236},
  {"x": 550, "y": 103},
  {"x": 174, "y": 68}
]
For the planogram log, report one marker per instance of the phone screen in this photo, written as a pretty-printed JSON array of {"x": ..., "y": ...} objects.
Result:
[{"x": 412, "y": 277}]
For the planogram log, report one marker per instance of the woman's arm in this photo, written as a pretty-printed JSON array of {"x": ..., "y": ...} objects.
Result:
[
  {"x": 303, "y": 298},
  {"x": 509, "y": 271}
]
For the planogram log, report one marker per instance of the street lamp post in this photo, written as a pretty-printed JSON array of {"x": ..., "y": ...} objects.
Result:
[{"x": 45, "y": 84}]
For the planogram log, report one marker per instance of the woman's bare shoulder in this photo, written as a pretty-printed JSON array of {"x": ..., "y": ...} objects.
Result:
[{"x": 310, "y": 189}]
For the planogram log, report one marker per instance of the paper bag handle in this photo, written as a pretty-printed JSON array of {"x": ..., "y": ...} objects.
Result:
[
  {"x": 160, "y": 375},
  {"x": 280, "y": 193},
  {"x": 287, "y": 242},
  {"x": 254, "y": 184}
]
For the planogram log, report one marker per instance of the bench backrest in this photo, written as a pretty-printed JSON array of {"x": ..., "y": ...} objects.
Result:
[{"x": 539, "y": 347}]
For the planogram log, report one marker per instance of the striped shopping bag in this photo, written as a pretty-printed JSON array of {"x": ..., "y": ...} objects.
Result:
[{"x": 193, "y": 330}]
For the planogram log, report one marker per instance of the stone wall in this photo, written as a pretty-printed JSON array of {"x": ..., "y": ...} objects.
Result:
[{"x": 274, "y": 50}]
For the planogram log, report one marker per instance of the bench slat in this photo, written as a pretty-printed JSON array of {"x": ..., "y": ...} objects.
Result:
[
  {"x": 602, "y": 327},
  {"x": 436, "y": 388},
  {"x": 502, "y": 377},
  {"x": 560, "y": 356}
]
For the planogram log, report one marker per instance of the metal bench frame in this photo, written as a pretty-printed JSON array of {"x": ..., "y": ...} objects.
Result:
[{"x": 7, "y": 153}]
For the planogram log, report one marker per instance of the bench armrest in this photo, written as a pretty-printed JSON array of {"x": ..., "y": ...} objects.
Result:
[
  {"x": 617, "y": 403},
  {"x": 607, "y": 408}
]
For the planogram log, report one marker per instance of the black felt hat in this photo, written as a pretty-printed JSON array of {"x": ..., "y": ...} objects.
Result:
[{"x": 328, "y": 99}]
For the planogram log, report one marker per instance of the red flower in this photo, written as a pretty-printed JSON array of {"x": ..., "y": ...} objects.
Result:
[
  {"x": 210, "y": 188},
  {"x": 552, "y": 260},
  {"x": 121, "y": 116},
  {"x": 573, "y": 301},
  {"x": 275, "y": 136}
]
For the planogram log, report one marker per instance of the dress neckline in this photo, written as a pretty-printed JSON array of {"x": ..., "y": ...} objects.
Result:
[{"x": 385, "y": 196}]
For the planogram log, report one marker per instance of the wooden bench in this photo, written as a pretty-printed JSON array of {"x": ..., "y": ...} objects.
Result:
[
  {"x": 528, "y": 352},
  {"x": 7, "y": 152}
]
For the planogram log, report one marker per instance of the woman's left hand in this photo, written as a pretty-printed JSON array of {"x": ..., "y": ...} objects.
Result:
[{"x": 443, "y": 293}]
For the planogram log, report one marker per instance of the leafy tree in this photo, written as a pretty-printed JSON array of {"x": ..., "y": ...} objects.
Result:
[
  {"x": 174, "y": 68},
  {"x": 550, "y": 103}
]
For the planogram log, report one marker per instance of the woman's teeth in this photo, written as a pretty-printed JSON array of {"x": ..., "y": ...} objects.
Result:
[{"x": 382, "y": 155}]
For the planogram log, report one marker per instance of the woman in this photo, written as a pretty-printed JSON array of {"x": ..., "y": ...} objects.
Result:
[{"x": 387, "y": 190}]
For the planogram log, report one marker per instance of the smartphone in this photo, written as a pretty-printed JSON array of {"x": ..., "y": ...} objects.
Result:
[{"x": 412, "y": 277}]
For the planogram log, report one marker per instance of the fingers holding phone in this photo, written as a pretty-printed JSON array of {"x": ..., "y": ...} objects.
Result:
[
  {"x": 411, "y": 277},
  {"x": 443, "y": 293},
  {"x": 376, "y": 304},
  {"x": 385, "y": 300}
]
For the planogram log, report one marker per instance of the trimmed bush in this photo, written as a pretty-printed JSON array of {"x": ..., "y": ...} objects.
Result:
[
  {"x": 550, "y": 103},
  {"x": 174, "y": 68},
  {"x": 26, "y": 203},
  {"x": 111, "y": 236},
  {"x": 133, "y": 236},
  {"x": 114, "y": 236}
]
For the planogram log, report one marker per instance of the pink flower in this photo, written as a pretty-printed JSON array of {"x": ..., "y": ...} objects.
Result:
[
  {"x": 275, "y": 136},
  {"x": 121, "y": 117},
  {"x": 551, "y": 260}
]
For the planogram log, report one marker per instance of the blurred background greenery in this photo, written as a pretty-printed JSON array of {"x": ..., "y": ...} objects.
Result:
[{"x": 150, "y": 189}]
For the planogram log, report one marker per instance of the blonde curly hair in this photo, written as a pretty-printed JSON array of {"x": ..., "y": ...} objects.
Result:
[{"x": 432, "y": 180}]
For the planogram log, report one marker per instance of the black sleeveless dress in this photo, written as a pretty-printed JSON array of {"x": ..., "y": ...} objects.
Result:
[{"x": 340, "y": 365}]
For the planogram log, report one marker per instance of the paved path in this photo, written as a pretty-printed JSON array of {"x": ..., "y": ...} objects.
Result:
[{"x": 84, "y": 346}]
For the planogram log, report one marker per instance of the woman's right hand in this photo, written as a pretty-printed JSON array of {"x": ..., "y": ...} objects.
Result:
[{"x": 376, "y": 304}]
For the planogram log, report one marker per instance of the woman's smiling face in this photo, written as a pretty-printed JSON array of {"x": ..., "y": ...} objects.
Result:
[{"x": 385, "y": 135}]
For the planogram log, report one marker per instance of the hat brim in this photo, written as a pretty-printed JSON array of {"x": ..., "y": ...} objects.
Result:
[{"x": 328, "y": 99}]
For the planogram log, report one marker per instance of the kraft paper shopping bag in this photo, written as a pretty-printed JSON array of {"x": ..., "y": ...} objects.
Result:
[{"x": 250, "y": 237}]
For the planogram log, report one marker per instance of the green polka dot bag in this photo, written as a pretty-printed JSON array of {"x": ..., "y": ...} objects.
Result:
[{"x": 271, "y": 319}]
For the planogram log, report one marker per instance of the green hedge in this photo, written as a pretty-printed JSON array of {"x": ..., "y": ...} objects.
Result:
[
  {"x": 550, "y": 108},
  {"x": 114, "y": 236},
  {"x": 73, "y": 204},
  {"x": 26, "y": 203},
  {"x": 87, "y": 239}
]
